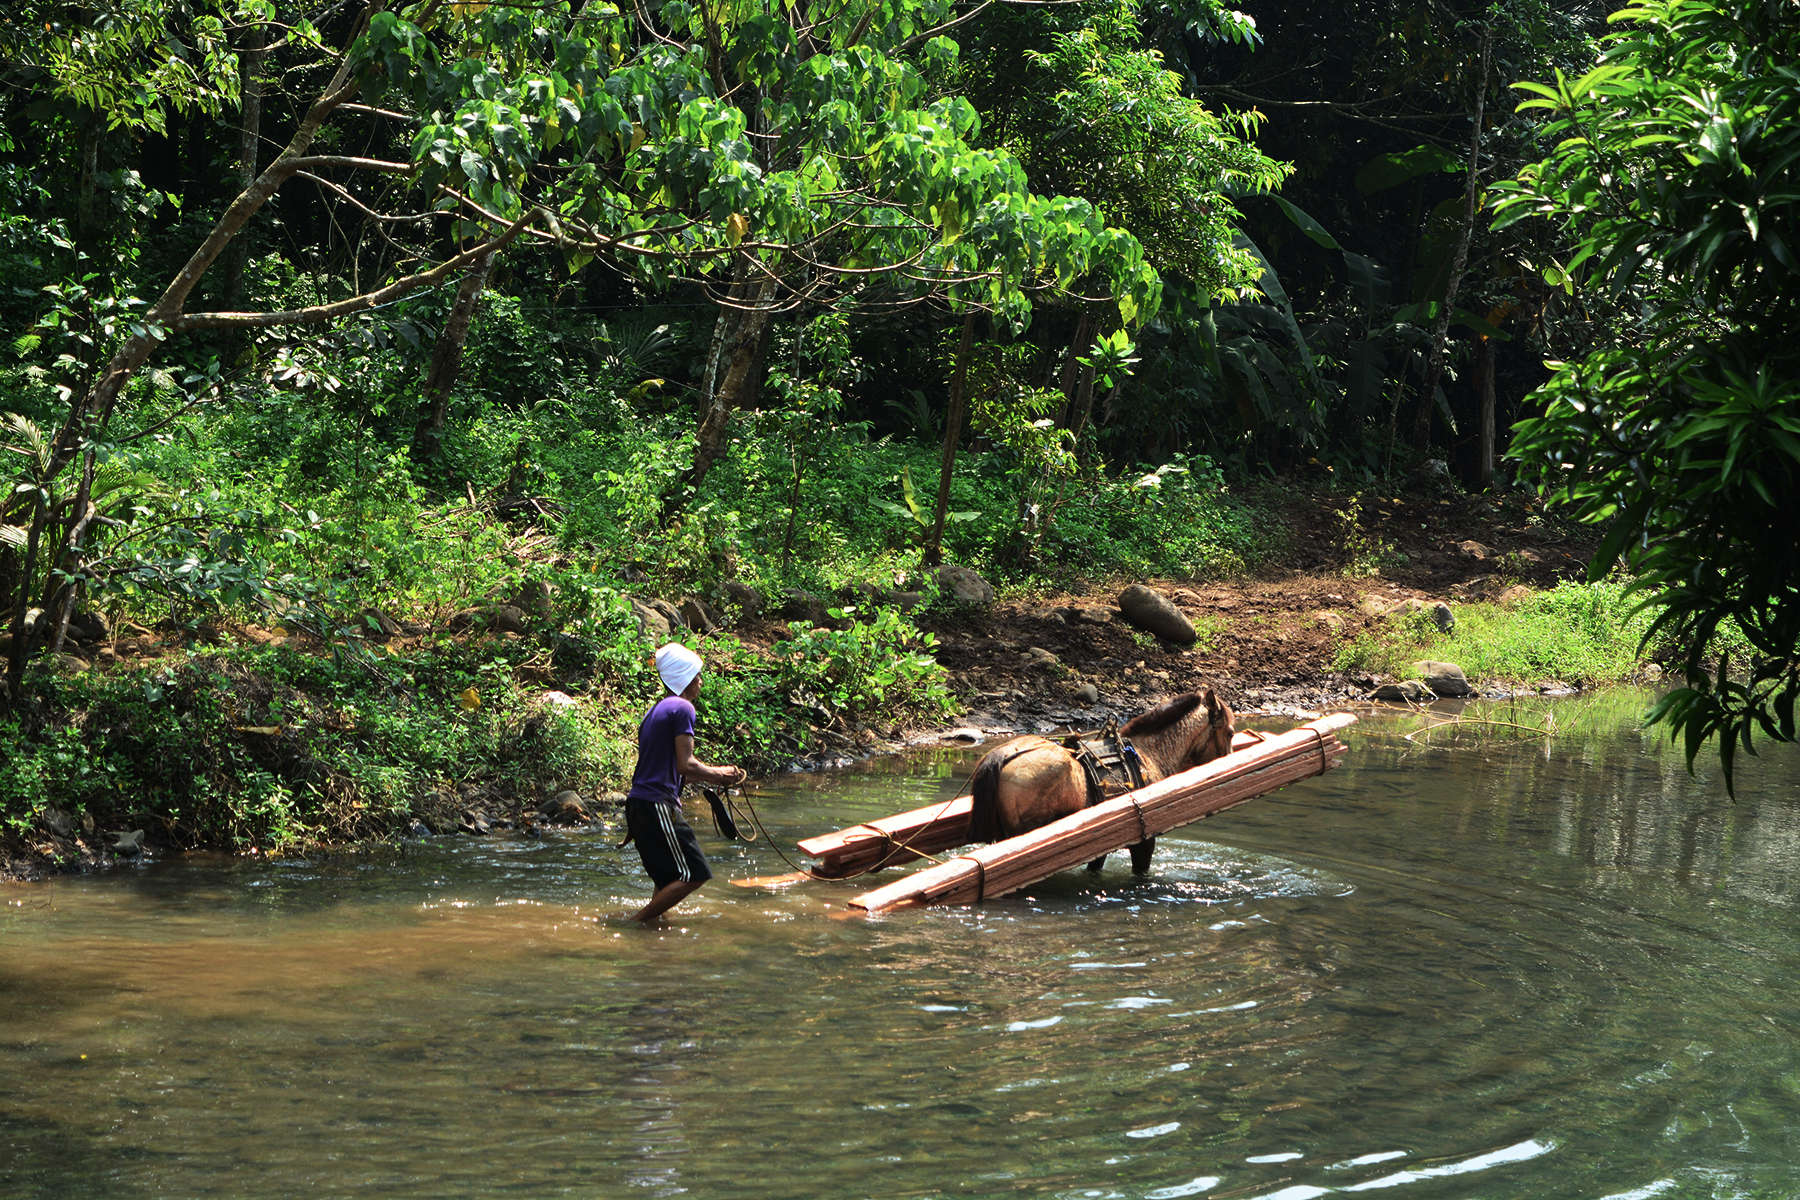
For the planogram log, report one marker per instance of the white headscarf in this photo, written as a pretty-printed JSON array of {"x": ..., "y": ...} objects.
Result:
[{"x": 677, "y": 665}]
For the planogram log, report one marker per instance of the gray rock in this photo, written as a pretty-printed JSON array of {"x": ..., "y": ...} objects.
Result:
[
  {"x": 504, "y": 618},
  {"x": 670, "y": 613},
  {"x": 1474, "y": 549},
  {"x": 534, "y": 597},
  {"x": 1374, "y": 606},
  {"x": 1333, "y": 623},
  {"x": 564, "y": 808},
  {"x": 1154, "y": 613},
  {"x": 418, "y": 829},
  {"x": 747, "y": 598},
  {"x": 1408, "y": 691},
  {"x": 1445, "y": 679},
  {"x": 967, "y": 733},
  {"x": 1052, "y": 613},
  {"x": 697, "y": 616},
  {"x": 1037, "y": 656},
  {"x": 56, "y": 821},
  {"x": 127, "y": 845},
  {"x": 1087, "y": 693},
  {"x": 1090, "y": 614},
  {"x": 798, "y": 605},
  {"x": 1442, "y": 617},
  {"x": 89, "y": 626},
  {"x": 651, "y": 623},
  {"x": 963, "y": 585},
  {"x": 376, "y": 625},
  {"x": 613, "y": 800}
]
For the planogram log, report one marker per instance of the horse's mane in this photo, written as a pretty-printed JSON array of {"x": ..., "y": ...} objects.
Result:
[{"x": 1161, "y": 717}]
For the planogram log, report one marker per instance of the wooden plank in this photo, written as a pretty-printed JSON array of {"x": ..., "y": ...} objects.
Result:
[
  {"x": 1178, "y": 800},
  {"x": 904, "y": 837},
  {"x": 908, "y": 836}
]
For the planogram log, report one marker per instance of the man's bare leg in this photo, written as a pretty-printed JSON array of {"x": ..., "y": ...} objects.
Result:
[{"x": 667, "y": 896}]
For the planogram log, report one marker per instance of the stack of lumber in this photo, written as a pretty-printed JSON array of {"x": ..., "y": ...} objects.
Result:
[
  {"x": 896, "y": 839},
  {"x": 908, "y": 836},
  {"x": 1114, "y": 824}
]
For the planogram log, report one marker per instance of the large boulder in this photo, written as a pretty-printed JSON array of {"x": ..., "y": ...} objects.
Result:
[
  {"x": 1155, "y": 613},
  {"x": 1444, "y": 679},
  {"x": 696, "y": 615},
  {"x": 89, "y": 626},
  {"x": 505, "y": 618},
  {"x": 747, "y": 598},
  {"x": 535, "y": 599},
  {"x": 651, "y": 623},
  {"x": 798, "y": 605},
  {"x": 670, "y": 613},
  {"x": 963, "y": 585}
]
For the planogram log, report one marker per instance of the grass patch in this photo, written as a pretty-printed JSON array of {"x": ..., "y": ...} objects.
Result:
[{"x": 1578, "y": 633}]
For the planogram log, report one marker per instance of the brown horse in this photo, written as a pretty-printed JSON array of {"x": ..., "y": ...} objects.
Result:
[{"x": 1030, "y": 781}]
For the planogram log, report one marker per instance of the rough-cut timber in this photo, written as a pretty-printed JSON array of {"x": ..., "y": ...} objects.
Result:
[
  {"x": 909, "y": 836},
  {"x": 1081, "y": 837}
]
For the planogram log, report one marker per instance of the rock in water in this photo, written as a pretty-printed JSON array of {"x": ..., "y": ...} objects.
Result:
[
  {"x": 565, "y": 808},
  {"x": 1444, "y": 679},
  {"x": 1409, "y": 691},
  {"x": 128, "y": 845},
  {"x": 964, "y": 585},
  {"x": 1155, "y": 613}
]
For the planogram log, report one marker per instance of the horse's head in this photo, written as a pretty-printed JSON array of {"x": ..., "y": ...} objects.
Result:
[
  {"x": 1187, "y": 731},
  {"x": 1213, "y": 720}
]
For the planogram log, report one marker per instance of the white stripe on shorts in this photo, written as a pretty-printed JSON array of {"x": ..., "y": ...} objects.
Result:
[{"x": 668, "y": 826}]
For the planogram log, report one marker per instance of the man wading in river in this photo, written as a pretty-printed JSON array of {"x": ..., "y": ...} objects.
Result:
[{"x": 666, "y": 760}]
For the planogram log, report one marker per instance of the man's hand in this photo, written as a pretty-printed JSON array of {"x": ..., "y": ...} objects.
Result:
[{"x": 693, "y": 769}]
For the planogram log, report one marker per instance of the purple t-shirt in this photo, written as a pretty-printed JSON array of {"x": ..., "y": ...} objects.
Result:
[{"x": 656, "y": 778}]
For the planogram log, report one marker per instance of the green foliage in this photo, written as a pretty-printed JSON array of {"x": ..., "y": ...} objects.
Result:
[
  {"x": 874, "y": 666},
  {"x": 279, "y": 749},
  {"x": 1676, "y": 175},
  {"x": 1587, "y": 633}
]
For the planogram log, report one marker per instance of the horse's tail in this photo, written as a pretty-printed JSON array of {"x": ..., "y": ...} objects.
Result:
[{"x": 984, "y": 790}]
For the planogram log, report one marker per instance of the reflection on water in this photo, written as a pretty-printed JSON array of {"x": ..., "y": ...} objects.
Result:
[{"x": 1478, "y": 966}]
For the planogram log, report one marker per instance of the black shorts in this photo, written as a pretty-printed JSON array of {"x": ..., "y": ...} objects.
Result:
[{"x": 666, "y": 843}]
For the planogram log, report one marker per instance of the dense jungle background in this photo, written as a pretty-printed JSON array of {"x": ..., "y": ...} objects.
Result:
[{"x": 370, "y": 369}]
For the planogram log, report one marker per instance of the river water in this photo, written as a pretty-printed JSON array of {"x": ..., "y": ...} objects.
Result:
[{"x": 1477, "y": 964}]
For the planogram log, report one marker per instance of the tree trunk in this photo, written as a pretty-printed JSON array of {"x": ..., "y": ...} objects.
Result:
[
  {"x": 1486, "y": 471},
  {"x": 446, "y": 362},
  {"x": 1084, "y": 338},
  {"x": 740, "y": 362},
  {"x": 21, "y": 639},
  {"x": 953, "y": 419},
  {"x": 87, "y": 219},
  {"x": 1435, "y": 368},
  {"x": 237, "y": 255},
  {"x": 1082, "y": 407}
]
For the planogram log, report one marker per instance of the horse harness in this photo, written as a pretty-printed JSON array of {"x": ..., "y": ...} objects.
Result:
[{"x": 1109, "y": 761}]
